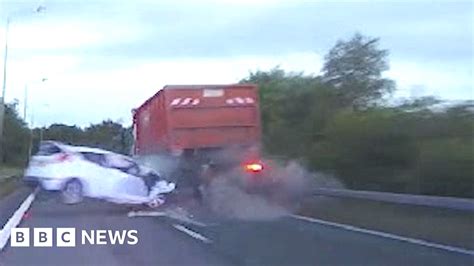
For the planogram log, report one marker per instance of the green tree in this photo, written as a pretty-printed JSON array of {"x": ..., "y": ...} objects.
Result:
[
  {"x": 63, "y": 133},
  {"x": 371, "y": 149},
  {"x": 16, "y": 137},
  {"x": 108, "y": 135},
  {"x": 354, "y": 68},
  {"x": 286, "y": 101},
  {"x": 420, "y": 146}
]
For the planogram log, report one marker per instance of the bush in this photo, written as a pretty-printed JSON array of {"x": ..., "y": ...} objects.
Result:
[
  {"x": 370, "y": 148},
  {"x": 16, "y": 138},
  {"x": 446, "y": 167}
]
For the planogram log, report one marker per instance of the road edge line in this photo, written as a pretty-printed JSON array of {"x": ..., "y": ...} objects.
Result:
[
  {"x": 15, "y": 219},
  {"x": 191, "y": 233},
  {"x": 386, "y": 235}
]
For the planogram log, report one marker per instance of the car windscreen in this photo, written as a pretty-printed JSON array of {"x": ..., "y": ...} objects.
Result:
[{"x": 46, "y": 149}]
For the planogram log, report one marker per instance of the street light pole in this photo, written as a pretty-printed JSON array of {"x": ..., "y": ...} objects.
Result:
[
  {"x": 5, "y": 57},
  {"x": 2, "y": 100},
  {"x": 25, "y": 107},
  {"x": 4, "y": 85},
  {"x": 25, "y": 102}
]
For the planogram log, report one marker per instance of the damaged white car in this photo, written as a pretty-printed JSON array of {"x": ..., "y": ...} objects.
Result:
[{"x": 79, "y": 172}]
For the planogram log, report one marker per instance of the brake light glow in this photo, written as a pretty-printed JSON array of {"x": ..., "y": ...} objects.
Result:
[{"x": 254, "y": 167}]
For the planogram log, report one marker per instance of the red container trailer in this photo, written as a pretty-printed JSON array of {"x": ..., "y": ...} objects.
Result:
[
  {"x": 189, "y": 117},
  {"x": 198, "y": 132}
]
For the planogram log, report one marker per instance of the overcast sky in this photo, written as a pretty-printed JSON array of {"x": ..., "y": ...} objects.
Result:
[{"x": 103, "y": 58}]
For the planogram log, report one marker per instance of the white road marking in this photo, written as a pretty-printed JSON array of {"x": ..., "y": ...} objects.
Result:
[
  {"x": 191, "y": 233},
  {"x": 387, "y": 235},
  {"x": 183, "y": 216},
  {"x": 15, "y": 220},
  {"x": 170, "y": 214},
  {"x": 146, "y": 213}
]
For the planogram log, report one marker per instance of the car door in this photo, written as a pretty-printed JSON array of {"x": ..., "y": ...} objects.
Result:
[
  {"x": 95, "y": 175},
  {"x": 125, "y": 180}
]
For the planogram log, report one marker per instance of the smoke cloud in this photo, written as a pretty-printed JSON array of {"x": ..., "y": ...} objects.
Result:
[{"x": 292, "y": 184}]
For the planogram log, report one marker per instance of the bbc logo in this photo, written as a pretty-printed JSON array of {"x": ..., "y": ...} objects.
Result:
[
  {"x": 43, "y": 237},
  {"x": 66, "y": 237}
]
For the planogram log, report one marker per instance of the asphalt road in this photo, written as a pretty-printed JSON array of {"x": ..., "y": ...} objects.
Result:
[
  {"x": 9, "y": 204},
  {"x": 282, "y": 241}
]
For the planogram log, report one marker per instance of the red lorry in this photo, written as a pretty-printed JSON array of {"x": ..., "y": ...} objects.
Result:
[{"x": 198, "y": 128}]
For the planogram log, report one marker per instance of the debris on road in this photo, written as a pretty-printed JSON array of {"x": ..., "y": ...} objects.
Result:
[
  {"x": 178, "y": 214},
  {"x": 191, "y": 233}
]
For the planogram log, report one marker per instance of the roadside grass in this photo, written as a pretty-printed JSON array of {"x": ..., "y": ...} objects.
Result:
[
  {"x": 444, "y": 226},
  {"x": 9, "y": 171},
  {"x": 10, "y": 180}
]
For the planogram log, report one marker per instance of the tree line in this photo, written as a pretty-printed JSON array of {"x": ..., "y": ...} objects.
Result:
[
  {"x": 19, "y": 141},
  {"x": 338, "y": 122}
]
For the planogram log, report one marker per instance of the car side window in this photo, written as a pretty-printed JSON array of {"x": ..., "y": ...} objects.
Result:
[
  {"x": 122, "y": 163},
  {"x": 112, "y": 161},
  {"x": 48, "y": 149},
  {"x": 95, "y": 158}
]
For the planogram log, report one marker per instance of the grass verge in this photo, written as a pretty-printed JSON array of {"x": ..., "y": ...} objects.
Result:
[
  {"x": 7, "y": 172},
  {"x": 10, "y": 179},
  {"x": 445, "y": 226}
]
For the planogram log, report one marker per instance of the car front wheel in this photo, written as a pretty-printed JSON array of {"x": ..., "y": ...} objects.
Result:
[{"x": 72, "y": 192}]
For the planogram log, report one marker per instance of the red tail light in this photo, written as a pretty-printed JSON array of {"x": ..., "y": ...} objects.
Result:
[{"x": 254, "y": 167}]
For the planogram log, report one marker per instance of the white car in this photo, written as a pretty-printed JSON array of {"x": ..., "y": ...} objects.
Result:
[{"x": 89, "y": 172}]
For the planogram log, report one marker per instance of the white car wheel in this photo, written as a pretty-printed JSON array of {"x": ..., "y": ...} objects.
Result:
[
  {"x": 153, "y": 204},
  {"x": 156, "y": 202},
  {"x": 72, "y": 192}
]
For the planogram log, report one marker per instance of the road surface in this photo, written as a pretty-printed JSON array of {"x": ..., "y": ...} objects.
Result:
[{"x": 167, "y": 241}]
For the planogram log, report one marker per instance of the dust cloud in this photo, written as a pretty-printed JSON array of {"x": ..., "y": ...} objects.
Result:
[
  {"x": 163, "y": 164},
  {"x": 229, "y": 201},
  {"x": 292, "y": 183},
  {"x": 228, "y": 198}
]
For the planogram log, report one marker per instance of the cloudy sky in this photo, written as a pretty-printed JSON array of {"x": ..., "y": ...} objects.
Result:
[{"x": 102, "y": 58}]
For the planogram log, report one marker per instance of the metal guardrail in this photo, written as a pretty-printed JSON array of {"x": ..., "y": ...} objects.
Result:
[
  {"x": 419, "y": 200},
  {"x": 7, "y": 177},
  {"x": 4, "y": 178}
]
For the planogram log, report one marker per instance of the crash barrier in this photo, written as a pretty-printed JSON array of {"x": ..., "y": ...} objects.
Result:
[
  {"x": 9, "y": 179},
  {"x": 5, "y": 178},
  {"x": 420, "y": 200}
]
